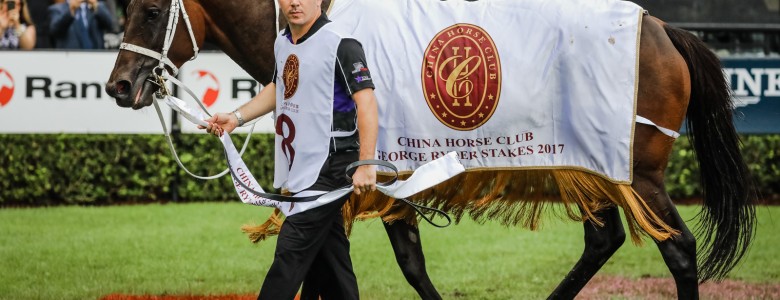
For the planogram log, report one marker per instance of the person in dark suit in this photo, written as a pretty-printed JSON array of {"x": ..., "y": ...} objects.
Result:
[
  {"x": 79, "y": 24},
  {"x": 39, "y": 12}
]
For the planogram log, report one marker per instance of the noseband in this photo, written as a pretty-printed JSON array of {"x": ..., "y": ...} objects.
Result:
[{"x": 173, "y": 21}]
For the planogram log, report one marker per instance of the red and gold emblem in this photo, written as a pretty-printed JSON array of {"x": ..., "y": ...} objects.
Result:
[
  {"x": 461, "y": 76},
  {"x": 290, "y": 76}
]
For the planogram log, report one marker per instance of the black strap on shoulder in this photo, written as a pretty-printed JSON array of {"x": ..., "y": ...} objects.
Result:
[{"x": 349, "y": 172}]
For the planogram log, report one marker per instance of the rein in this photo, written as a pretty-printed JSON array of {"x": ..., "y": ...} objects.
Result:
[
  {"x": 193, "y": 116},
  {"x": 384, "y": 187}
]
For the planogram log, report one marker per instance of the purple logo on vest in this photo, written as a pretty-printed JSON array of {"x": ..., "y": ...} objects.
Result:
[{"x": 361, "y": 71}]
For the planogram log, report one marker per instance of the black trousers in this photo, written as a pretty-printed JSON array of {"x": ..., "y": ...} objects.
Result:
[{"x": 312, "y": 247}]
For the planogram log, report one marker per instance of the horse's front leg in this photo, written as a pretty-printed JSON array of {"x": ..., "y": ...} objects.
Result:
[
  {"x": 407, "y": 246},
  {"x": 600, "y": 244}
]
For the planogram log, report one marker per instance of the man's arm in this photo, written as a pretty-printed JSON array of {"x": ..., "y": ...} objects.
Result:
[
  {"x": 60, "y": 19},
  {"x": 364, "y": 179},
  {"x": 261, "y": 104},
  {"x": 27, "y": 40},
  {"x": 104, "y": 17}
]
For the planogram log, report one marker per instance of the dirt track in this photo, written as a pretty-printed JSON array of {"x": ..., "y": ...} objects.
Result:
[
  {"x": 601, "y": 287},
  {"x": 610, "y": 287}
]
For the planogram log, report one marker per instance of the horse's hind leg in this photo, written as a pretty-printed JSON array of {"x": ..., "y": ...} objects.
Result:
[
  {"x": 407, "y": 246},
  {"x": 600, "y": 244},
  {"x": 679, "y": 252}
]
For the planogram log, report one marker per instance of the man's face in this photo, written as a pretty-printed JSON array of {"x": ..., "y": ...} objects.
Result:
[{"x": 300, "y": 12}]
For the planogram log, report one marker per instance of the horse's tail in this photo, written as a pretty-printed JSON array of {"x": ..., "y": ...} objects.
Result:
[{"x": 727, "y": 219}]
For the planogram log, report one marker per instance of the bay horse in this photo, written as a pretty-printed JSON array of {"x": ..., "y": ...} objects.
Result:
[{"x": 678, "y": 78}]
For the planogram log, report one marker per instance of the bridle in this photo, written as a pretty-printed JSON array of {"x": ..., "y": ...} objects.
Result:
[
  {"x": 160, "y": 76},
  {"x": 173, "y": 20}
]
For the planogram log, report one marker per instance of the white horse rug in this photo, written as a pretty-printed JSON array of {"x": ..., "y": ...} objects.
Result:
[{"x": 506, "y": 84}]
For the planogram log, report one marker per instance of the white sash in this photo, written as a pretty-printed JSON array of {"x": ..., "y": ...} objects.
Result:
[{"x": 426, "y": 176}]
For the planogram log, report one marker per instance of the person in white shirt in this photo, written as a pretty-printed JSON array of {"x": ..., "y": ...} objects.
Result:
[{"x": 325, "y": 120}]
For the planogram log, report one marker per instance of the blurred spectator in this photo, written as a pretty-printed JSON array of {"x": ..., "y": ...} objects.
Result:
[
  {"x": 112, "y": 7},
  {"x": 79, "y": 24},
  {"x": 16, "y": 26},
  {"x": 40, "y": 16},
  {"x": 114, "y": 38}
]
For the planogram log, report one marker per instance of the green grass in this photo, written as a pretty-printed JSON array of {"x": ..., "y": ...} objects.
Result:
[{"x": 87, "y": 252}]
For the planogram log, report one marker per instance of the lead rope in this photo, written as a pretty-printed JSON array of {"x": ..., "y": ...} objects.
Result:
[
  {"x": 424, "y": 177},
  {"x": 383, "y": 187},
  {"x": 193, "y": 116}
]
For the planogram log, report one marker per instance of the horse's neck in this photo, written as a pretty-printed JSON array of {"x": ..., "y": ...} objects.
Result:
[{"x": 245, "y": 30}]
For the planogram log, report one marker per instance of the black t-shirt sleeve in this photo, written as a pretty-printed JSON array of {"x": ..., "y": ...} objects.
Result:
[
  {"x": 273, "y": 79},
  {"x": 351, "y": 67}
]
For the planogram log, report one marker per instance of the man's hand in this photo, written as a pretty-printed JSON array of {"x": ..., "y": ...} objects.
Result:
[
  {"x": 13, "y": 19},
  {"x": 93, "y": 5},
  {"x": 4, "y": 21},
  {"x": 74, "y": 5},
  {"x": 364, "y": 179},
  {"x": 220, "y": 123}
]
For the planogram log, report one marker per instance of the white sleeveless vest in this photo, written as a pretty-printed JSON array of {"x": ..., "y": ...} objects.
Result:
[{"x": 304, "y": 107}]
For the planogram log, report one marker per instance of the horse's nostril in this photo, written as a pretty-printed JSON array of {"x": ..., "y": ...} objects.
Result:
[{"x": 123, "y": 87}]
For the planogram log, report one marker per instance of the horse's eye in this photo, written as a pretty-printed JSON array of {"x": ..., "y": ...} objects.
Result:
[{"x": 152, "y": 14}]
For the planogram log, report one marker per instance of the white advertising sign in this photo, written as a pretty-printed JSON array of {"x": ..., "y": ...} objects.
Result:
[
  {"x": 222, "y": 86},
  {"x": 64, "y": 92}
]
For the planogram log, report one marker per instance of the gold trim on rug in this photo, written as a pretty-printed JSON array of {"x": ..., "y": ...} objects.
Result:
[{"x": 512, "y": 197}]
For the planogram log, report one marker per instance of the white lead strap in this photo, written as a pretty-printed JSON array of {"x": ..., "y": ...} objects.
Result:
[
  {"x": 195, "y": 117},
  {"x": 426, "y": 176}
]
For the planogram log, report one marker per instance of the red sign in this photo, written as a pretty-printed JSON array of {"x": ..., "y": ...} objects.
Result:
[
  {"x": 6, "y": 87},
  {"x": 461, "y": 76},
  {"x": 212, "y": 91}
]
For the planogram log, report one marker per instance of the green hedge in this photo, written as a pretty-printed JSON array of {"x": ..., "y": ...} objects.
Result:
[
  {"x": 111, "y": 169},
  {"x": 761, "y": 153}
]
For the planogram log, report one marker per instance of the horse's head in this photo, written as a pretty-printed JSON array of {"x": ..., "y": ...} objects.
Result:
[{"x": 145, "y": 41}]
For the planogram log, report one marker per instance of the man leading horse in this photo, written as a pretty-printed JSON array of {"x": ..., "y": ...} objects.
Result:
[
  {"x": 676, "y": 76},
  {"x": 326, "y": 119}
]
